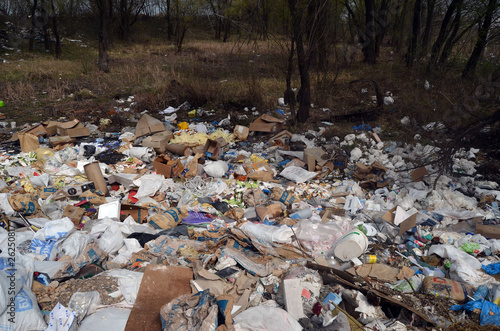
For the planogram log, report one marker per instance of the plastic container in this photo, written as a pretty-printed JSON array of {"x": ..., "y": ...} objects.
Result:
[
  {"x": 351, "y": 245},
  {"x": 301, "y": 214}
]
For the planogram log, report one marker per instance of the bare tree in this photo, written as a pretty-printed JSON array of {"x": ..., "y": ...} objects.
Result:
[
  {"x": 105, "y": 13},
  {"x": 482, "y": 39}
]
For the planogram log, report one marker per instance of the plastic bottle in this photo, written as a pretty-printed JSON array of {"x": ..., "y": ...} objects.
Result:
[
  {"x": 496, "y": 295},
  {"x": 482, "y": 293},
  {"x": 372, "y": 258},
  {"x": 301, "y": 214}
]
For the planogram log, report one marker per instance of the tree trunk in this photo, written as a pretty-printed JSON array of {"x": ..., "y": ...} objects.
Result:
[
  {"x": 304, "y": 95},
  {"x": 443, "y": 33},
  {"x": 482, "y": 40},
  {"x": 33, "y": 26},
  {"x": 56, "y": 30},
  {"x": 412, "y": 47},
  {"x": 45, "y": 26},
  {"x": 124, "y": 26},
  {"x": 448, "y": 46},
  {"x": 381, "y": 23},
  {"x": 369, "y": 45},
  {"x": 105, "y": 11},
  {"x": 431, "y": 4},
  {"x": 289, "y": 95},
  {"x": 170, "y": 27}
]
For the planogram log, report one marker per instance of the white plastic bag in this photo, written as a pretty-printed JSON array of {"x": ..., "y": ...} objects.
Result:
[
  {"x": 265, "y": 318},
  {"x": 111, "y": 240},
  {"x": 27, "y": 315},
  {"x": 216, "y": 169},
  {"x": 128, "y": 283},
  {"x": 148, "y": 185},
  {"x": 269, "y": 233},
  {"x": 84, "y": 303},
  {"x": 74, "y": 244},
  {"x": 62, "y": 319},
  {"x": 45, "y": 242}
]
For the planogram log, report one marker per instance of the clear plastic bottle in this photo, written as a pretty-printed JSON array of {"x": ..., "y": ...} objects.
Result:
[{"x": 372, "y": 258}]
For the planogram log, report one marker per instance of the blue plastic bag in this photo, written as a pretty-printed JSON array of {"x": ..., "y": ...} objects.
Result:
[
  {"x": 487, "y": 319},
  {"x": 492, "y": 269}
]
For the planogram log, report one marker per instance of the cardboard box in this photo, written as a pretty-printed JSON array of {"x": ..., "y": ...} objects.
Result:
[
  {"x": 138, "y": 213},
  {"x": 160, "y": 285},
  {"x": 371, "y": 176},
  {"x": 72, "y": 129},
  {"x": 163, "y": 165},
  {"x": 266, "y": 123},
  {"x": 148, "y": 124},
  {"x": 241, "y": 132},
  {"x": 74, "y": 213},
  {"x": 55, "y": 141},
  {"x": 158, "y": 141},
  {"x": 51, "y": 127},
  {"x": 418, "y": 174},
  {"x": 38, "y": 130},
  {"x": 313, "y": 156},
  {"x": 397, "y": 218},
  {"x": 212, "y": 149}
]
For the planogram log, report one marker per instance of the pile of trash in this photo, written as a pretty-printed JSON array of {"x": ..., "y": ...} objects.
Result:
[{"x": 190, "y": 226}]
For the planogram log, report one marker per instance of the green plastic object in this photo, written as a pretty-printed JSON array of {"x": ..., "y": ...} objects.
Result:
[{"x": 2, "y": 104}]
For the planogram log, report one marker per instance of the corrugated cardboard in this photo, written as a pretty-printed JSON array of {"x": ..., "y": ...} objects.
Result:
[
  {"x": 139, "y": 214},
  {"x": 418, "y": 174},
  {"x": 447, "y": 288},
  {"x": 212, "y": 149},
  {"x": 79, "y": 130},
  {"x": 489, "y": 231},
  {"x": 148, "y": 124},
  {"x": 271, "y": 211},
  {"x": 38, "y": 130},
  {"x": 241, "y": 132},
  {"x": 51, "y": 127},
  {"x": 75, "y": 214},
  {"x": 55, "y": 141},
  {"x": 159, "y": 286},
  {"x": 266, "y": 123},
  {"x": 158, "y": 141},
  {"x": 68, "y": 125},
  {"x": 405, "y": 225},
  {"x": 163, "y": 165},
  {"x": 313, "y": 156}
]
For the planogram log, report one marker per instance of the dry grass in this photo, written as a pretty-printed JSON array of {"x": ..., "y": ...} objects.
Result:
[{"x": 215, "y": 75}]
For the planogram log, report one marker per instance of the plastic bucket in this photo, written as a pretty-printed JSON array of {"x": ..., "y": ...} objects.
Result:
[{"x": 351, "y": 245}]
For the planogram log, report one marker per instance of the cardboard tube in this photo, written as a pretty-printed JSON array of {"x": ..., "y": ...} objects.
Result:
[
  {"x": 179, "y": 149},
  {"x": 94, "y": 174}
]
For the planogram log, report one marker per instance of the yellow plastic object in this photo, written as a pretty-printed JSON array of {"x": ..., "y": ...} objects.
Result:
[
  {"x": 183, "y": 126},
  {"x": 43, "y": 153},
  {"x": 192, "y": 113}
]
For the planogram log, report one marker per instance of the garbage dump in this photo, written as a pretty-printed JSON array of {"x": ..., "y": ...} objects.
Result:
[{"x": 193, "y": 225}]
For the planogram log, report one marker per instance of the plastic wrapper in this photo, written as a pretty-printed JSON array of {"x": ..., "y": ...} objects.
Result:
[
  {"x": 319, "y": 238},
  {"x": 111, "y": 240},
  {"x": 190, "y": 312}
]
